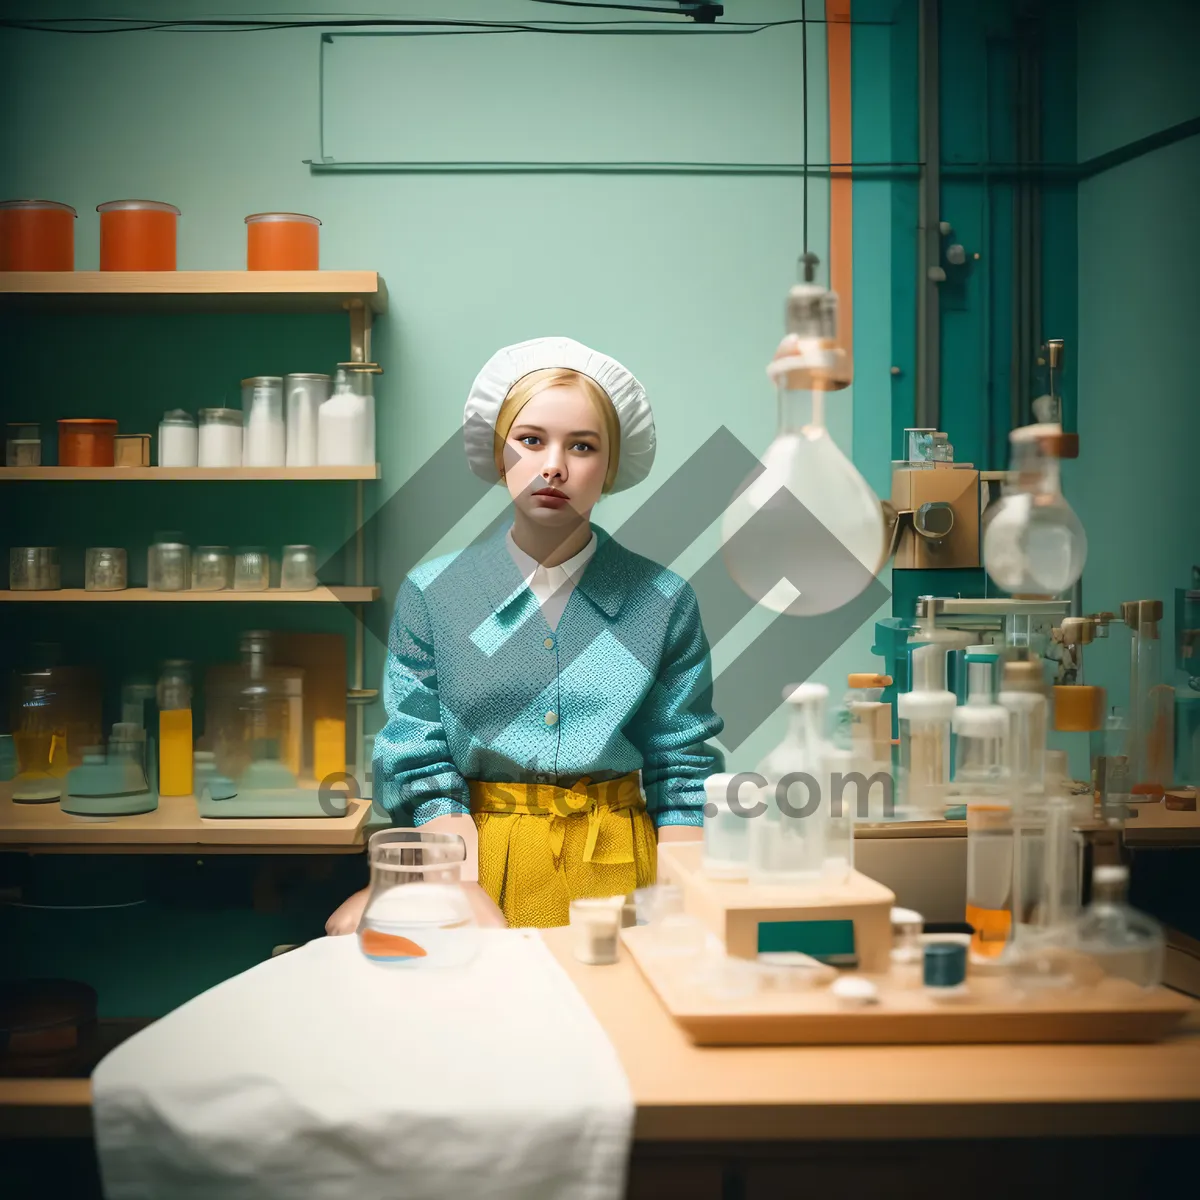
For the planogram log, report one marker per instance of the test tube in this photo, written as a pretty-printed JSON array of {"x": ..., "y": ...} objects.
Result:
[
  {"x": 989, "y": 876},
  {"x": 1151, "y": 702}
]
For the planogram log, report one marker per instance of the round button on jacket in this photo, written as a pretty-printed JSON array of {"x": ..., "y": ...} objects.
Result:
[{"x": 552, "y": 718}]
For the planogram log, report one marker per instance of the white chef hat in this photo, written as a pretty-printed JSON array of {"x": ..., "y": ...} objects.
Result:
[{"x": 506, "y": 367}]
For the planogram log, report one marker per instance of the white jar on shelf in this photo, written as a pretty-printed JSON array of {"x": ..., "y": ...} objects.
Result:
[
  {"x": 177, "y": 439},
  {"x": 265, "y": 438},
  {"x": 304, "y": 395},
  {"x": 346, "y": 423},
  {"x": 220, "y": 437}
]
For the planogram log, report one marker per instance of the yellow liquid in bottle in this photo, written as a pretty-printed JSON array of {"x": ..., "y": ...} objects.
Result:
[
  {"x": 329, "y": 747},
  {"x": 175, "y": 752}
]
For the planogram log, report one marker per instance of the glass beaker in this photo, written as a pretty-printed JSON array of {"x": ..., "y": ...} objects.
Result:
[
  {"x": 105, "y": 569},
  {"x": 169, "y": 564},
  {"x": 417, "y": 914},
  {"x": 40, "y": 736},
  {"x": 212, "y": 569},
  {"x": 298, "y": 571},
  {"x": 252, "y": 570}
]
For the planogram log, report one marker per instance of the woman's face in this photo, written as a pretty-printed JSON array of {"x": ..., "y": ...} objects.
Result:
[{"x": 556, "y": 457}]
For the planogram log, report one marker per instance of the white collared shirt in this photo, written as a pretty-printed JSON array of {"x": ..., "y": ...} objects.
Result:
[{"x": 551, "y": 586}]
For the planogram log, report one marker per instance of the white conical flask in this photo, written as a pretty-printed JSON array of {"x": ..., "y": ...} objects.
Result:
[{"x": 805, "y": 533}]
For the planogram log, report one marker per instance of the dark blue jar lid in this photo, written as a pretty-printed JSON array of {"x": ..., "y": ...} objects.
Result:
[{"x": 945, "y": 964}]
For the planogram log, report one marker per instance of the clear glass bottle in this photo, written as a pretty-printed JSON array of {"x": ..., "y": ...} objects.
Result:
[
  {"x": 1151, "y": 750},
  {"x": 169, "y": 564},
  {"x": 265, "y": 438},
  {"x": 1034, "y": 544},
  {"x": 265, "y": 711},
  {"x": 221, "y": 436},
  {"x": 924, "y": 715},
  {"x": 805, "y": 533},
  {"x": 417, "y": 915},
  {"x": 727, "y": 809},
  {"x": 175, "y": 729},
  {"x": 40, "y": 735},
  {"x": 1124, "y": 943},
  {"x": 788, "y": 839},
  {"x": 178, "y": 441},
  {"x": 981, "y": 729}
]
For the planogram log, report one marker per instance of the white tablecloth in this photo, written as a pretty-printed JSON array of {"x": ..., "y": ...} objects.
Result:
[{"x": 320, "y": 1075}]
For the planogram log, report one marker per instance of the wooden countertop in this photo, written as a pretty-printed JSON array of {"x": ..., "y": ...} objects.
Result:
[
  {"x": 800, "y": 1093},
  {"x": 685, "y": 1093},
  {"x": 175, "y": 826}
]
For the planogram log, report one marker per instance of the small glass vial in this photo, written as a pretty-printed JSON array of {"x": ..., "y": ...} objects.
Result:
[
  {"x": 106, "y": 569},
  {"x": 908, "y": 953},
  {"x": 595, "y": 925},
  {"x": 298, "y": 572},
  {"x": 220, "y": 443},
  {"x": 726, "y": 828},
  {"x": 178, "y": 440},
  {"x": 1124, "y": 943},
  {"x": 252, "y": 570},
  {"x": 265, "y": 442},
  {"x": 169, "y": 564},
  {"x": 945, "y": 971},
  {"x": 212, "y": 569}
]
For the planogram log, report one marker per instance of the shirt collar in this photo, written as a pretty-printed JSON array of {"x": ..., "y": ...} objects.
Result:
[{"x": 572, "y": 568}]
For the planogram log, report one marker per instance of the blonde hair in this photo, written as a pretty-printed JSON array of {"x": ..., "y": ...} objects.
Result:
[{"x": 537, "y": 382}]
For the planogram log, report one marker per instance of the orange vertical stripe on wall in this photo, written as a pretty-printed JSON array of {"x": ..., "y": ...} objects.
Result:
[{"x": 841, "y": 195}]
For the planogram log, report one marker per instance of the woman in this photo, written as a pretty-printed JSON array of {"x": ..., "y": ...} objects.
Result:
[{"x": 549, "y": 693}]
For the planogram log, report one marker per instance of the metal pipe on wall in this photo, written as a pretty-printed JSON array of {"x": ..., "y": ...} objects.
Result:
[{"x": 929, "y": 239}]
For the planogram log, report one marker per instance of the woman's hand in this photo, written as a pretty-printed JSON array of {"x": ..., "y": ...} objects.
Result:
[{"x": 346, "y": 917}]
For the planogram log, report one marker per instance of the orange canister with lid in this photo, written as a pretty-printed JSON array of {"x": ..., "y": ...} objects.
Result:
[
  {"x": 282, "y": 242},
  {"x": 137, "y": 235},
  {"x": 87, "y": 442},
  {"x": 36, "y": 235}
]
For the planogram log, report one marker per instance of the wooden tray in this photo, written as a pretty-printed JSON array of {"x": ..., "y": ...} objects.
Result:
[{"x": 1111, "y": 1012}]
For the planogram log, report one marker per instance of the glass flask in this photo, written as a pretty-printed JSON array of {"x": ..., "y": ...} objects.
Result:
[
  {"x": 40, "y": 735},
  {"x": 1151, "y": 748},
  {"x": 1034, "y": 544},
  {"x": 417, "y": 914},
  {"x": 1122, "y": 942},
  {"x": 788, "y": 838},
  {"x": 924, "y": 715},
  {"x": 805, "y": 534},
  {"x": 727, "y": 827}
]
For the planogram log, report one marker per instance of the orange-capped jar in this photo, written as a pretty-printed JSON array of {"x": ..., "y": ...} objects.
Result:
[
  {"x": 137, "y": 235},
  {"x": 36, "y": 235},
  {"x": 282, "y": 242}
]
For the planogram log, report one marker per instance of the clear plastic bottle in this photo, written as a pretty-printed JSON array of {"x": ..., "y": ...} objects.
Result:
[
  {"x": 788, "y": 839},
  {"x": 1023, "y": 696},
  {"x": 924, "y": 715},
  {"x": 981, "y": 728},
  {"x": 1123, "y": 942},
  {"x": 175, "y": 729}
]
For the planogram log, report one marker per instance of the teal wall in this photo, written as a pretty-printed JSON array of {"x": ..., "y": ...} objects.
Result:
[
  {"x": 682, "y": 276},
  {"x": 1134, "y": 485}
]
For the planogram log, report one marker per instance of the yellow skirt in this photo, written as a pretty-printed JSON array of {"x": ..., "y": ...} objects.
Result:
[{"x": 541, "y": 846}]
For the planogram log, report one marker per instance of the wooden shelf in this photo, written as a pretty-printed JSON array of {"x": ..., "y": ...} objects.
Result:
[
  {"x": 186, "y": 474},
  {"x": 192, "y": 291},
  {"x": 174, "y": 823},
  {"x": 322, "y": 595}
]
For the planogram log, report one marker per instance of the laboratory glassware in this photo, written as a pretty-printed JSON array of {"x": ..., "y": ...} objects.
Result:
[
  {"x": 34, "y": 569},
  {"x": 1112, "y": 776},
  {"x": 106, "y": 569},
  {"x": 804, "y": 534},
  {"x": 981, "y": 734},
  {"x": 1023, "y": 697},
  {"x": 40, "y": 735},
  {"x": 908, "y": 951},
  {"x": 177, "y": 439},
  {"x": 37, "y": 235},
  {"x": 865, "y": 727},
  {"x": 989, "y": 876},
  {"x": 221, "y": 436},
  {"x": 841, "y": 801},
  {"x": 114, "y": 781},
  {"x": 1151, "y": 703},
  {"x": 23, "y": 444},
  {"x": 1187, "y": 702},
  {"x": 596, "y": 927},
  {"x": 212, "y": 569},
  {"x": 1048, "y": 407},
  {"x": 169, "y": 564},
  {"x": 727, "y": 819},
  {"x": 304, "y": 395},
  {"x": 1034, "y": 544},
  {"x": 175, "y": 729},
  {"x": 416, "y": 913},
  {"x": 137, "y": 235},
  {"x": 265, "y": 438},
  {"x": 298, "y": 570},
  {"x": 360, "y": 377},
  {"x": 788, "y": 838},
  {"x": 1123, "y": 942},
  {"x": 924, "y": 714},
  {"x": 252, "y": 570}
]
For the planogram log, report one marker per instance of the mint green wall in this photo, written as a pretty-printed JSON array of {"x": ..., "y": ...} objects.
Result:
[
  {"x": 683, "y": 277},
  {"x": 1139, "y": 310}
]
